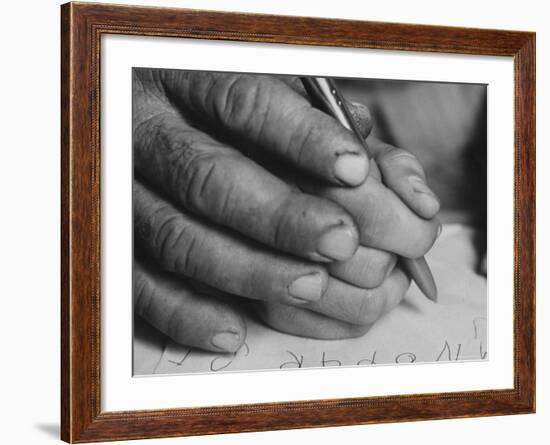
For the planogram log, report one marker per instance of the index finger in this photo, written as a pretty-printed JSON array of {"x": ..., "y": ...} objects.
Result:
[{"x": 270, "y": 116}]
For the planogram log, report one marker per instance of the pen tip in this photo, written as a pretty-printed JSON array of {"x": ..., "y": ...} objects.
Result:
[
  {"x": 420, "y": 272},
  {"x": 431, "y": 294},
  {"x": 427, "y": 284}
]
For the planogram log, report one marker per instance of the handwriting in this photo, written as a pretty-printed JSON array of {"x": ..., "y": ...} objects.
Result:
[
  {"x": 447, "y": 349},
  {"x": 179, "y": 363},
  {"x": 474, "y": 347},
  {"x": 297, "y": 361},
  {"x": 475, "y": 322},
  {"x": 325, "y": 362},
  {"x": 370, "y": 361},
  {"x": 221, "y": 362},
  {"x": 405, "y": 357},
  {"x": 482, "y": 353}
]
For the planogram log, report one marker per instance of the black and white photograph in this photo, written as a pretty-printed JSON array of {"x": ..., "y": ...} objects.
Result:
[
  {"x": 275, "y": 223},
  {"x": 284, "y": 222}
]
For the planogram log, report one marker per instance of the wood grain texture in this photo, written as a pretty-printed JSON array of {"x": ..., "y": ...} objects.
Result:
[{"x": 82, "y": 27}]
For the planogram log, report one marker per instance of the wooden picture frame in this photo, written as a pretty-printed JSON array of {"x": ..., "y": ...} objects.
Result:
[{"x": 82, "y": 26}]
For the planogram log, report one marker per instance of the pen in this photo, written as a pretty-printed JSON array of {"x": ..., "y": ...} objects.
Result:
[{"x": 325, "y": 95}]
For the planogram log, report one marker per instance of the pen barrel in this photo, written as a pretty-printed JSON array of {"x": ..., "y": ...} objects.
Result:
[{"x": 326, "y": 96}]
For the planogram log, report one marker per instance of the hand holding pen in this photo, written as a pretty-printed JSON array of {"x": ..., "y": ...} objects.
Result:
[
  {"x": 218, "y": 223},
  {"x": 326, "y": 96}
]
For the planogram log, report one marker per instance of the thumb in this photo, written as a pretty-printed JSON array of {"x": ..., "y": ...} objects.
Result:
[{"x": 362, "y": 116}]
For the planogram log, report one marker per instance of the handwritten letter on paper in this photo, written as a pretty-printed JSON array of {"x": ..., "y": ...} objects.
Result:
[{"x": 418, "y": 330}]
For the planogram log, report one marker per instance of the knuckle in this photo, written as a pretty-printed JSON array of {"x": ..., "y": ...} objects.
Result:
[
  {"x": 148, "y": 212},
  {"x": 194, "y": 179},
  {"x": 175, "y": 244},
  {"x": 149, "y": 81},
  {"x": 297, "y": 219},
  {"x": 286, "y": 224},
  {"x": 189, "y": 161},
  {"x": 201, "y": 184},
  {"x": 279, "y": 230},
  {"x": 398, "y": 157},
  {"x": 394, "y": 154},
  {"x": 240, "y": 101},
  {"x": 164, "y": 234},
  {"x": 150, "y": 137},
  {"x": 157, "y": 80},
  {"x": 143, "y": 295}
]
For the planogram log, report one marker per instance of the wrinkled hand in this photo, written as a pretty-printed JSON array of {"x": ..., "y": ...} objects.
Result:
[{"x": 215, "y": 219}]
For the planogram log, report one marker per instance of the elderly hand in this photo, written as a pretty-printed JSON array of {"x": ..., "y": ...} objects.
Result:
[{"x": 219, "y": 213}]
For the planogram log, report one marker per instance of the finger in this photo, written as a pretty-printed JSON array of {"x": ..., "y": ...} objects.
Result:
[
  {"x": 404, "y": 175},
  {"x": 187, "y": 247},
  {"x": 305, "y": 323},
  {"x": 186, "y": 316},
  {"x": 358, "y": 306},
  {"x": 367, "y": 268},
  {"x": 360, "y": 113},
  {"x": 219, "y": 183},
  {"x": 266, "y": 113},
  {"x": 385, "y": 222}
]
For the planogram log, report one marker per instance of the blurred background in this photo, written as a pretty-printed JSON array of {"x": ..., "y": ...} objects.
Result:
[{"x": 445, "y": 126}]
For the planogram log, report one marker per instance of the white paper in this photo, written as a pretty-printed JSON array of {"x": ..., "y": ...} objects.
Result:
[{"x": 418, "y": 330}]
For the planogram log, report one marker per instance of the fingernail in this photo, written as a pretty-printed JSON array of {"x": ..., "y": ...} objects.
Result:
[
  {"x": 226, "y": 341},
  {"x": 338, "y": 243},
  {"x": 351, "y": 169},
  {"x": 439, "y": 230},
  {"x": 307, "y": 288},
  {"x": 419, "y": 186}
]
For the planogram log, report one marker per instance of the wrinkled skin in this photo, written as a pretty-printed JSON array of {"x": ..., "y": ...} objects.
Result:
[{"x": 244, "y": 192}]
